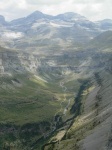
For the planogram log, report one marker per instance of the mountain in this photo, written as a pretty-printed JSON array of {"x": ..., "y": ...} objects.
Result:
[
  {"x": 39, "y": 30},
  {"x": 2, "y": 20},
  {"x": 105, "y": 24},
  {"x": 70, "y": 16},
  {"x": 31, "y": 18},
  {"x": 77, "y": 19}
]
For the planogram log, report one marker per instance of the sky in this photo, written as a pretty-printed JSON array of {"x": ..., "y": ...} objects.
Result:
[{"x": 92, "y": 9}]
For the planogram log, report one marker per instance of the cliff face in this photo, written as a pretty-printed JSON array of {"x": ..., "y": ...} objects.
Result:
[
  {"x": 14, "y": 62},
  {"x": 100, "y": 101}
]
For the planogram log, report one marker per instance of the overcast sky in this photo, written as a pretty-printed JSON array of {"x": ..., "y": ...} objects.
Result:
[{"x": 92, "y": 9}]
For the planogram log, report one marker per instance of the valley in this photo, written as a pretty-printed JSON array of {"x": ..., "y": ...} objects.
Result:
[{"x": 55, "y": 83}]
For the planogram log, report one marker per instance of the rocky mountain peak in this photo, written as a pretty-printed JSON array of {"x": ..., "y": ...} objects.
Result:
[
  {"x": 36, "y": 14},
  {"x": 70, "y": 16}
]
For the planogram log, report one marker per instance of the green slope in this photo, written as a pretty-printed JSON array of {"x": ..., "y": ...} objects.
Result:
[{"x": 102, "y": 41}]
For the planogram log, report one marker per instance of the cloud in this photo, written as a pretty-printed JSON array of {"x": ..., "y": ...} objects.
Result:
[
  {"x": 92, "y": 9},
  {"x": 45, "y": 2}
]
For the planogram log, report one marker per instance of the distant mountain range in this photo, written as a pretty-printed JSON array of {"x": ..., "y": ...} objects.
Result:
[{"x": 39, "y": 30}]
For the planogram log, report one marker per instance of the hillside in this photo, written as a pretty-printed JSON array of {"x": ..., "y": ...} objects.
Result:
[{"x": 102, "y": 41}]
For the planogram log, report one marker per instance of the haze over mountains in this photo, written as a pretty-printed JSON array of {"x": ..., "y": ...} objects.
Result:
[{"x": 55, "y": 83}]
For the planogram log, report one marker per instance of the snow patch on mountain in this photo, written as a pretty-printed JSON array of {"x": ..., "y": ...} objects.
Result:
[
  {"x": 13, "y": 35},
  {"x": 54, "y": 24},
  {"x": 37, "y": 24},
  {"x": 61, "y": 25}
]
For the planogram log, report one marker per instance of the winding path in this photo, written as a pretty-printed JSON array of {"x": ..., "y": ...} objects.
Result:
[
  {"x": 64, "y": 88},
  {"x": 64, "y": 110}
]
